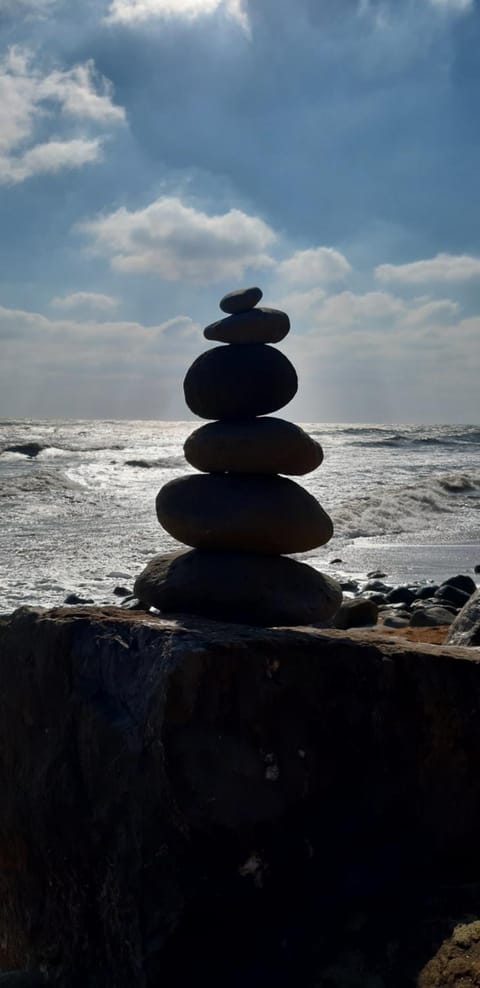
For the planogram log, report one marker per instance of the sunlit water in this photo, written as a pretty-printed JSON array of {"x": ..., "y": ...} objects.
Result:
[{"x": 79, "y": 518}]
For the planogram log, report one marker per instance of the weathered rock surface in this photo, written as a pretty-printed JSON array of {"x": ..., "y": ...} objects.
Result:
[
  {"x": 241, "y": 300},
  {"x": 239, "y": 382},
  {"x": 186, "y": 801},
  {"x": 256, "y": 326},
  {"x": 241, "y": 587},
  {"x": 244, "y": 512},
  {"x": 465, "y": 629},
  {"x": 263, "y": 445}
]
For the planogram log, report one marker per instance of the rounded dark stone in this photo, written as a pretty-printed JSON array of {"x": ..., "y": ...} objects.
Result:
[
  {"x": 461, "y": 582},
  {"x": 248, "y": 513},
  {"x": 231, "y": 382},
  {"x": 255, "y": 326},
  {"x": 238, "y": 586},
  {"x": 357, "y": 613},
  {"x": 241, "y": 300},
  {"x": 262, "y": 445},
  {"x": 401, "y": 595},
  {"x": 452, "y": 595}
]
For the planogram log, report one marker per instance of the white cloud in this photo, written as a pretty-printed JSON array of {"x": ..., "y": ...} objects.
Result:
[
  {"x": 136, "y": 11},
  {"x": 25, "y": 8},
  {"x": 29, "y": 95},
  {"x": 443, "y": 267},
  {"x": 455, "y": 6},
  {"x": 176, "y": 241},
  {"x": 317, "y": 264},
  {"x": 370, "y": 311},
  {"x": 90, "y": 300}
]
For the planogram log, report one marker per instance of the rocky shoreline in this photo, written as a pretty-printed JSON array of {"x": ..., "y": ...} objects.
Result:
[{"x": 421, "y": 611}]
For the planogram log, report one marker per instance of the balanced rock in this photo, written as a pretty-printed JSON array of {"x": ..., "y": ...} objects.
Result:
[
  {"x": 249, "y": 513},
  {"x": 238, "y": 586},
  {"x": 241, "y": 300},
  {"x": 263, "y": 445},
  {"x": 232, "y": 382},
  {"x": 255, "y": 326}
]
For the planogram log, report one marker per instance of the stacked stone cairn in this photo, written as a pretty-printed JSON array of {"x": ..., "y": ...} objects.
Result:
[{"x": 241, "y": 514}]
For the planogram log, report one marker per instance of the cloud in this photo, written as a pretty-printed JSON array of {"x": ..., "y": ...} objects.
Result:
[
  {"x": 176, "y": 241},
  {"x": 371, "y": 311},
  {"x": 136, "y": 11},
  {"x": 94, "y": 367},
  {"x": 29, "y": 96},
  {"x": 25, "y": 8},
  {"x": 317, "y": 264},
  {"x": 443, "y": 267},
  {"x": 90, "y": 300},
  {"x": 453, "y": 6}
]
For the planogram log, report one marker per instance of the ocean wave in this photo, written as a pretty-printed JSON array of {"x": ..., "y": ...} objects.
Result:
[
  {"x": 46, "y": 481},
  {"x": 402, "y": 509}
]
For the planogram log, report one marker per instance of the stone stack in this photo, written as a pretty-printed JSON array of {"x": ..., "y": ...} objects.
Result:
[{"x": 239, "y": 515}]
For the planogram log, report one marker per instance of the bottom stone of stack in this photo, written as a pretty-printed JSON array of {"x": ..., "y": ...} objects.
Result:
[{"x": 241, "y": 587}]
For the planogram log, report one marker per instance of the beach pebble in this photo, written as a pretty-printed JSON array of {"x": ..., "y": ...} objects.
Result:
[
  {"x": 250, "y": 513},
  {"x": 377, "y": 586},
  {"x": 241, "y": 300},
  {"x": 451, "y": 595},
  {"x": 263, "y": 445},
  {"x": 401, "y": 595},
  {"x": 423, "y": 593},
  {"x": 376, "y": 574},
  {"x": 431, "y": 617},
  {"x": 395, "y": 621},
  {"x": 461, "y": 582},
  {"x": 239, "y": 382},
  {"x": 73, "y": 598},
  {"x": 256, "y": 326},
  {"x": 122, "y": 591},
  {"x": 357, "y": 613},
  {"x": 476, "y": 568},
  {"x": 238, "y": 586}
]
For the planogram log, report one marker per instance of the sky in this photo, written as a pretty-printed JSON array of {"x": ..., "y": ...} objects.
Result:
[{"x": 156, "y": 154}]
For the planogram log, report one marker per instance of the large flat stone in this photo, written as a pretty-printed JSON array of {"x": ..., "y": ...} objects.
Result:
[
  {"x": 248, "y": 513},
  {"x": 187, "y": 801},
  {"x": 260, "y": 325},
  {"x": 238, "y": 382},
  {"x": 238, "y": 586},
  {"x": 262, "y": 445}
]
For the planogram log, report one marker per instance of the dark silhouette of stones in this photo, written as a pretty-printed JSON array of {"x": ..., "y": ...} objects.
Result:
[
  {"x": 426, "y": 592},
  {"x": 357, "y": 613},
  {"x": 21, "y": 979},
  {"x": 248, "y": 513},
  {"x": 263, "y": 445},
  {"x": 241, "y": 300},
  {"x": 465, "y": 629},
  {"x": 255, "y": 326},
  {"x": 240, "y": 587},
  {"x": 232, "y": 382}
]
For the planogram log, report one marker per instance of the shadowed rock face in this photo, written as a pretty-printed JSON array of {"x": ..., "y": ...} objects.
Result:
[{"x": 184, "y": 800}]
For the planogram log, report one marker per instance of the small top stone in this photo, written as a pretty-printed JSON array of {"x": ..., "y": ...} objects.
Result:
[{"x": 241, "y": 300}]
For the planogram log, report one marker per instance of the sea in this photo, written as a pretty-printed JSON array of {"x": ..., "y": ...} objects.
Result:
[{"x": 79, "y": 517}]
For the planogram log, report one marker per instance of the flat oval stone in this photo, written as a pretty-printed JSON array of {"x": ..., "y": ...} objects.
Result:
[
  {"x": 262, "y": 445},
  {"x": 248, "y": 513},
  {"x": 241, "y": 300},
  {"x": 232, "y": 382},
  {"x": 238, "y": 586},
  {"x": 256, "y": 326}
]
